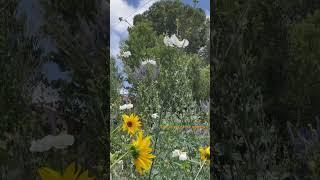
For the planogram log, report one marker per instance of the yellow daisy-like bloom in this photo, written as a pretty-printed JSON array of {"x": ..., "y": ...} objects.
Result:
[
  {"x": 131, "y": 123},
  {"x": 70, "y": 173},
  {"x": 204, "y": 153},
  {"x": 141, "y": 152}
]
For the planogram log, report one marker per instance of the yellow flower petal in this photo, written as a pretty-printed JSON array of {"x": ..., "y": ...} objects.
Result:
[
  {"x": 49, "y": 174},
  {"x": 71, "y": 173},
  {"x": 204, "y": 153},
  {"x": 85, "y": 176},
  {"x": 142, "y": 157},
  {"x": 131, "y": 123}
]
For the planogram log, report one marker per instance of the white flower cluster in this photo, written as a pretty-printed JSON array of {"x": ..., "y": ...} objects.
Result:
[
  {"x": 126, "y": 54},
  {"x": 123, "y": 91},
  {"x": 155, "y": 116},
  {"x": 45, "y": 94},
  {"x": 174, "y": 41},
  {"x": 126, "y": 106},
  {"x": 182, "y": 155},
  {"x": 60, "y": 141},
  {"x": 149, "y": 61}
]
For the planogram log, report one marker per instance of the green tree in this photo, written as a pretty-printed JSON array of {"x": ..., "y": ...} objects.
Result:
[
  {"x": 19, "y": 63},
  {"x": 79, "y": 31},
  {"x": 114, "y": 80},
  {"x": 304, "y": 69},
  {"x": 174, "y": 17},
  {"x": 262, "y": 50},
  {"x": 146, "y": 42},
  {"x": 141, "y": 41}
]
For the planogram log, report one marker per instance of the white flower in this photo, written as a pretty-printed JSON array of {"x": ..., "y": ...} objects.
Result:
[
  {"x": 174, "y": 41},
  {"x": 154, "y": 116},
  {"x": 42, "y": 145},
  {"x": 167, "y": 41},
  {"x": 126, "y": 106},
  {"x": 60, "y": 141},
  {"x": 153, "y": 62},
  {"x": 121, "y": 164},
  {"x": 184, "y": 43},
  {"x": 129, "y": 106},
  {"x": 124, "y": 91},
  {"x": 183, "y": 156},
  {"x": 176, "y": 153},
  {"x": 63, "y": 140},
  {"x": 126, "y": 54},
  {"x": 45, "y": 94}
]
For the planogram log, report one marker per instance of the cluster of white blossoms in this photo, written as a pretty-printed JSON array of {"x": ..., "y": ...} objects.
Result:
[
  {"x": 126, "y": 106},
  {"x": 174, "y": 41},
  {"x": 60, "y": 141},
  {"x": 45, "y": 94},
  {"x": 123, "y": 91},
  {"x": 182, "y": 155},
  {"x": 126, "y": 54},
  {"x": 155, "y": 116},
  {"x": 149, "y": 61}
]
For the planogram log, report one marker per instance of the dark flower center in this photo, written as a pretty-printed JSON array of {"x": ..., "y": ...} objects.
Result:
[{"x": 129, "y": 124}]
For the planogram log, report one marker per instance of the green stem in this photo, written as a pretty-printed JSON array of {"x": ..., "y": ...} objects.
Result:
[
  {"x": 155, "y": 144},
  {"x": 115, "y": 129},
  {"x": 194, "y": 161},
  {"x": 119, "y": 159},
  {"x": 200, "y": 170},
  {"x": 178, "y": 164}
]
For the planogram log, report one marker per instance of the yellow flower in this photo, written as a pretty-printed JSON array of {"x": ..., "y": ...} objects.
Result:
[
  {"x": 70, "y": 173},
  {"x": 204, "y": 153},
  {"x": 131, "y": 123},
  {"x": 141, "y": 152}
]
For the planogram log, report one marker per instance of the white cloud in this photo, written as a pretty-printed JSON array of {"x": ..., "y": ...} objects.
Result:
[
  {"x": 114, "y": 43},
  {"x": 121, "y": 8}
]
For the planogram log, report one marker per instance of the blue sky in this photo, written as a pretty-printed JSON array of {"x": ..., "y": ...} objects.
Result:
[
  {"x": 128, "y": 9},
  {"x": 204, "y": 4}
]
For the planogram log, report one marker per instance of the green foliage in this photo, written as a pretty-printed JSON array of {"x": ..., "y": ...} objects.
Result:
[
  {"x": 114, "y": 80},
  {"x": 204, "y": 83},
  {"x": 305, "y": 147},
  {"x": 172, "y": 87},
  {"x": 304, "y": 68},
  {"x": 173, "y": 64},
  {"x": 21, "y": 59},
  {"x": 199, "y": 79},
  {"x": 145, "y": 43},
  {"x": 85, "y": 98},
  {"x": 265, "y": 59},
  {"x": 173, "y": 72},
  {"x": 18, "y": 62},
  {"x": 140, "y": 43},
  {"x": 174, "y": 17},
  {"x": 71, "y": 9}
]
